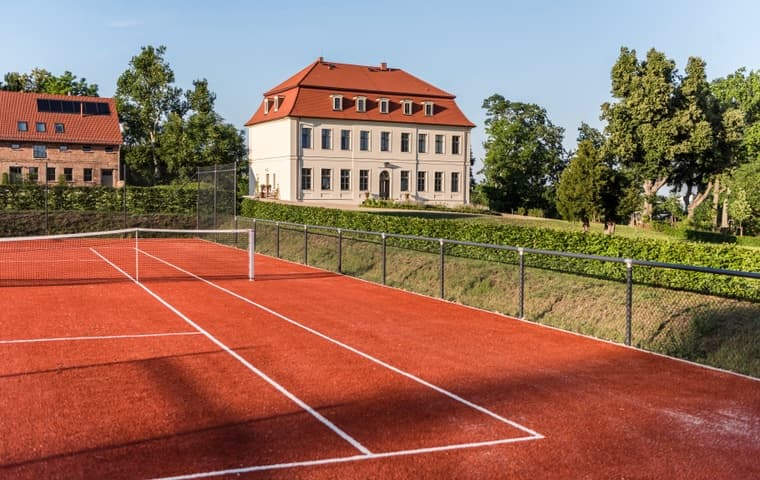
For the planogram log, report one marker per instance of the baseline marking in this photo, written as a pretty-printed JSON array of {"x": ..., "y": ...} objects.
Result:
[
  {"x": 331, "y": 461},
  {"x": 345, "y": 436},
  {"x": 101, "y": 337},
  {"x": 417, "y": 379}
]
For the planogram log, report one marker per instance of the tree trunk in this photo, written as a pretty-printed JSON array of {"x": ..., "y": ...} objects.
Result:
[
  {"x": 687, "y": 197},
  {"x": 724, "y": 216},
  {"x": 650, "y": 189},
  {"x": 609, "y": 228},
  {"x": 701, "y": 197},
  {"x": 585, "y": 224},
  {"x": 716, "y": 202}
]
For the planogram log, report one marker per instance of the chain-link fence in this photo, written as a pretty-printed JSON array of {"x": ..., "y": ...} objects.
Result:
[
  {"x": 622, "y": 300},
  {"x": 217, "y": 196}
]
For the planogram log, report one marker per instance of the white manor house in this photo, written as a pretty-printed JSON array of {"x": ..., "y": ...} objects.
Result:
[{"x": 338, "y": 134}]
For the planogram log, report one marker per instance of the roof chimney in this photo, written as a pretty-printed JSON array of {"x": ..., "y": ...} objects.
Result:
[
  {"x": 321, "y": 59},
  {"x": 383, "y": 66}
]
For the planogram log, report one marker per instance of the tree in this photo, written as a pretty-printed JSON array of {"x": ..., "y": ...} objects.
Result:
[
  {"x": 200, "y": 140},
  {"x": 582, "y": 185},
  {"x": 591, "y": 134},
  {"x": 746, "y": 178},
  {"x": 698, "y": 123},
  {"x": 146, "y": 97},
  {"x": 524, "y": 155},
  {"x": 640, "y": 125},
  {"x": 740, "y": 209},
  {"x": 740, "y": 91},
  {"x": 40, "y": 80}
]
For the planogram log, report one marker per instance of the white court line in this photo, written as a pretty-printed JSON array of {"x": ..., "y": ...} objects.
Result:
[
  {"x": 364, "y": 450},
  {"x": 417, "y": 379},
  {"x": 331, "y": 461},
  {"x": 100, "y": 337}
]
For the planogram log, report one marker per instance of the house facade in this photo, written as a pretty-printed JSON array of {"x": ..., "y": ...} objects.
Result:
[
  {"x": 342, "y": 133},
  {"x": 56, "y": 138}
]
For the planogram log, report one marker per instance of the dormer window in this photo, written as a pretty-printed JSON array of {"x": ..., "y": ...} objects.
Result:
[
  {"x": 383, "y": 105},
  {"x": 428, "y": 108},
  {"x": 266, "y": 106},
  {"x": 407, "y": 106},
  {"x": 337, "y": 102},
  {"x": 276, "y": 102},
  {"x": 22, "y": 126},
  {"x": 361, "y": 104}
]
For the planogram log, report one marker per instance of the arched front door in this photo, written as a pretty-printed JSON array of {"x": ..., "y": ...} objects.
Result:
[{"x": 385, "y": 185}]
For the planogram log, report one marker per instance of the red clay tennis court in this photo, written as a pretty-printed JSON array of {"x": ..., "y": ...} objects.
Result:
[{"x": 196, "y": 371}]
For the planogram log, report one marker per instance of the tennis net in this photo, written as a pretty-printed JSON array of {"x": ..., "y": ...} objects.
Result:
[{"x": 135, "y": 254}]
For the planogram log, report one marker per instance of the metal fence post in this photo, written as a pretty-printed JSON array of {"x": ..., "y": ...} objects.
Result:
[
  {"x": 305, "y": 245},
  {"x": 277, "y": 240},
  {"x": 137, "y": 256},
  {"x": 521, "y": 300},
  {"x": 382, "y": 235},
  {"x": 628, "y": 299},
  {"x": 441, "y": 267},
  {"x": 340, "y": 251}
]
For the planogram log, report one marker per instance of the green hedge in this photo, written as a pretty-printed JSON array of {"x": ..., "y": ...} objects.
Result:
[
  {"x": 140, "y": 200},
  {"x": 707, "y": 255}
]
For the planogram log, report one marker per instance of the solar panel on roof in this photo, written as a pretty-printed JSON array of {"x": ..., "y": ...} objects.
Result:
[{"x": 73, "y": 106}]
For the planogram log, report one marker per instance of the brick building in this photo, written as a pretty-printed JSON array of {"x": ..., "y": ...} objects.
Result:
[{"x": 52, "y": 138}]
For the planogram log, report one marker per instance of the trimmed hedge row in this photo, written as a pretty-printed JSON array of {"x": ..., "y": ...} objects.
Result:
[
  {"x": 29, "y": 223},
  {"x": 140, "y": 200},
  {"x": 714, "y": 256}
]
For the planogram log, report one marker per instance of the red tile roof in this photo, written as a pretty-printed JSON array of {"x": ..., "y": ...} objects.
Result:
[
  {"x": 78, "y": 128},
  {"x": 308, "y": 94}
]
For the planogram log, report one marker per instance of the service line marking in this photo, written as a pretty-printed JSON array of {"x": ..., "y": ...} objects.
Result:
[
  {"x": 337, "y": 430},
  {"x": 98, "y": 337},
  {"x": 534, "y": 435},
  {"x": 336, "y": 460}
]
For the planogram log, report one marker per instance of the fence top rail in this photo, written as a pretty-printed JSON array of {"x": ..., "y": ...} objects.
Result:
[{"x": 580, "y": 256}]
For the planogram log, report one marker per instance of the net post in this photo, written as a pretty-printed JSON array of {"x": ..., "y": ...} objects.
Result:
[
  {"x": 251, "y": 252},
  {"x": 340, "y": 250},
  {"x": 47, "y": 199},
  {"x": 441, "y": 267},
  {"x": 382, "y": 235},
  {"x": 137, "y": 256},
  {"x": 521, "y": 300},
  {"x": 628, "y": 299}
]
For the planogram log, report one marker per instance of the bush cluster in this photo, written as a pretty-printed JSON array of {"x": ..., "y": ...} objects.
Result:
[
  {"x": 727, "y": 257},
  {"x": 139, "y": 200}
]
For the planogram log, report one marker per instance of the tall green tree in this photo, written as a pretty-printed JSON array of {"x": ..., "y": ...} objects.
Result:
[
  {"x": 698, "y": 123},
  {"x": 40, "y": 80},
  {"x": 582, "y": 185},
  {"x": 740, "y": 91},
  {"x": 641, "y": 130},
  {"x": 202, "y": 138},
  {"x": 145, "y": 98},
  {"x": 524, "y": 155}
]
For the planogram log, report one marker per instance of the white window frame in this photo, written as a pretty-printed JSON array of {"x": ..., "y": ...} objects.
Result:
[
  {"x": 407, "y": 107},
  {"x": 408, "y": 142},
  {"x": 442, "y": 144},
  {"x": 384, "y": 105},
  {"x": 422, "y": 140},
  {"x": 322, "y": 177},
  {"x": 369, "y": 140},
  {"x": 456, "y": 140},
  {"x": 276, "y": 102},
  {"x": 266, "y": 106},
  {"x": 361, "y": 104},
  {"x": 337, "y": 103},
  {"x": 311, "y": 140},
  {"x": 388, "y": 146},
  {"x": 429, "y": 108},
  {"x": 322, "y": 138}
]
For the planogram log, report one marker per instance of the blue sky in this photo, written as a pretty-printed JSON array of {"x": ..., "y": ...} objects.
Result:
[{"x": 557, "y": 54}]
